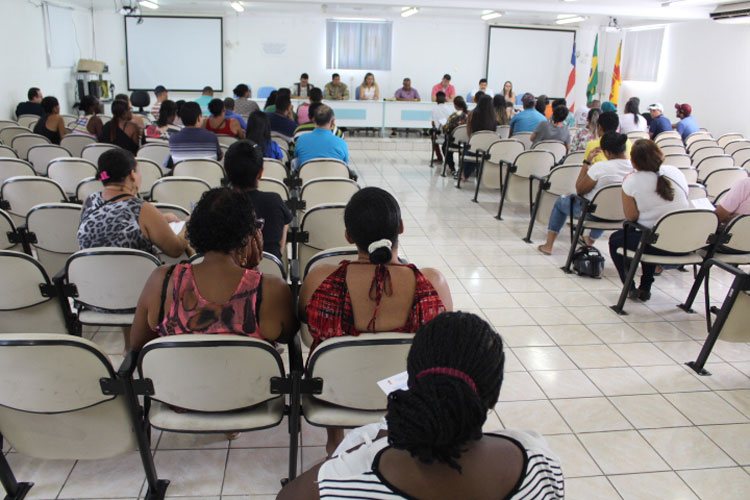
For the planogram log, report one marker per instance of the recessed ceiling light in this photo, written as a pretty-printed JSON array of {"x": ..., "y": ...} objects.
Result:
[
  {"x": 149, "y": 4},
  {"x": 238, "y": 6},
  {"x": 486, "y": 16},
  {"x": 408, "y": 11},
  {"x": 568, "y": 20}
]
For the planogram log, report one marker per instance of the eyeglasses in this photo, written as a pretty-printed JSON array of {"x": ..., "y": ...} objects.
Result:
[{"x": 259, "y": 224}]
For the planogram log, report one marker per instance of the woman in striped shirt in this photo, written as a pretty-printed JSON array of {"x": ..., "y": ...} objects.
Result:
[
  {"x": 89, "y": 124},
  {"x": 434, "y": 448}
]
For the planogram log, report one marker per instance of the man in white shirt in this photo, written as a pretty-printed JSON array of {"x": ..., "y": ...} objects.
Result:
[
  {"x": 582, "y": 113},
  {"x": 440, "y": 115},
  {"x": 482, "y": 88}
]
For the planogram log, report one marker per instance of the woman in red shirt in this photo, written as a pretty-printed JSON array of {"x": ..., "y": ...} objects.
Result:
[{"x": 219, "y": 124}]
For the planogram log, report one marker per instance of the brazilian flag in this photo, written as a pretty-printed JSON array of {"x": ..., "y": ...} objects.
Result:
[{"x": 594, "y": 73}]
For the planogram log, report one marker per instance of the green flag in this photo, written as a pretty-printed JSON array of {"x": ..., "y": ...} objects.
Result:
[{"x": 594, "y": 73}]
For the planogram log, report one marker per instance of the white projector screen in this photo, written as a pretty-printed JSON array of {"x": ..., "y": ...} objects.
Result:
[
  {"x": 181, "y": 53},
  {"x": 535, "y": 60}
]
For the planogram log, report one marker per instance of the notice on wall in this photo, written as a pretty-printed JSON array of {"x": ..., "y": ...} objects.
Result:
[{"x": 273, "y": 48}]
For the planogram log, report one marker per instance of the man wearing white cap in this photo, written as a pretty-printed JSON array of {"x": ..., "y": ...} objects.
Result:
[{"x": 659, "y": 122}]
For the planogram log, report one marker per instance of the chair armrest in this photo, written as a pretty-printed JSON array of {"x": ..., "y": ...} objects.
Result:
[
  {"x": 636, "y": 225},
  {"x": 727, "y": 267},
  {"x": 128, "y": 365}
]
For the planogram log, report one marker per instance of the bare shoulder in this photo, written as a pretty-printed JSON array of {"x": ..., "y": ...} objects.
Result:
[
  {"x": 319, "y": 273},
  {"x": 434, "y": 276},
  {"x": 275, "y": 286}
]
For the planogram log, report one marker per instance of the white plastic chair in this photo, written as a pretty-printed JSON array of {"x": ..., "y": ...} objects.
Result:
[
  {"x": 667, "y": 134},
  {"x": 504, "y": 151},
  {"x": 182, "y": 191},
  {"x": 518, "y": 177},
  {"x": 323, "y": 167},
  {"x": 69, "y": 172},
  {"x": 52, "y": 229},
  {"x": 671, "y": 141},
  {"x": 697, "y": 191},
  {"x": 673, "y": 150},
  {"x": 210, "y": 171},
  {"x": 39, "y": 156},
  {"x": 225, "y": 139},
  {"x": 330, "y": 256},
  {"x": 690, "y": 173},
  {"x": 23, "y": 142},
  {"x": 678, "y": 160},
  {"x": 75, "y": 143},
  {"x": 524, "y": 137},
  {"x": 324, "y": 225},
  {"x": 156, "y": 152},
  {"x": 478, "y": 145},
  {"x": 733, "y": 146},
  {"x": 722, "y": 179},
  {"x": 503, "y": 131},
  {"x": 13, "y": 167},
  {"x": 92, "y": 152},
  {"x": 708, "y": 165},
  {"x": 634, "y": 135},
  {"x": 574, "y": 158},
  {"x": 697, "y": 136},
  {"x": 706, "y": 152},
  {"x": 557, "y": 148},
  {"x": 8, "y": 133},
  {"x": 150, "y": 173},
  {"x": 725, "y": 139},
  {"x": 274, "y": 169},
  {"x": 741, "y": 156},
  {"x": 560, "y": 182},
  {"x": 28, "y": 121},
  {"x": 22, "y": 193},
  {"x": 325, "y": 191},
  {"x": 10, "y": 238},
  {"x": 87, "y": 187},
  {"x": 274, "y": 186},
  {"x": 7, "y": 152}
]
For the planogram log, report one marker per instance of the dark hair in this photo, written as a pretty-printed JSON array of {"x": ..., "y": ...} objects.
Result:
[
  {"x": 208, "y": 89},
  {"x": 559, "y": 113},
  {"x": 614, "y": 143},
  {"x": 49, "y": 104},
  {"x": 271, "y": 99},
  {"x": 559, "y": 102},
  {"x": 478, "y": 95},
  {"x": 282, "y": 102},
  {"x": 159, "y": 89},
  {"x": 32, "y": 93},
  {"x": 88, "y": 102},
  {"x": 632, "y": 107},
  {"x": 323, "y": 115},
  {"x": 117, "y": 163},
  {"x": 609, "y": 121},
  {"x": 647, "y": 156},
  {"x": 541, "y": 103},
  {"x": 240, "y": 90},
  {"x": 313, "y": 109},
  {"x": 440, "y": 412},
  {"x": 406, "y": 79},
  {"x": 229, "y": 103},
  {"x": 284, "y": 91},
  {"x": 304, "y": 75},
  {"x": 373, "y": 214},
  {"x": 216, "y": 107},
  {"x": 528, "y": 100},
  {"x": 483, "y": 116},
  {"x": 460, "y": 103},
  {"x": 122, "y": 97},
  {"x": 483, "y": 80},
  {"x": 440, "y": 97},
  {"x": 447, "y": 76},
  {"x": 119, "y": 109},
  {"x": 258, "y": 129},
  {"x": 179, "y": 105},
  {"x": 498, "y": 102},
  {"x": 167, "y": 111},
  {"x": 243, "y": 162},
  {"x": 316, "y": 95},
  {"x": 335, "y": 75},
  {"x": 222, "y": 221},
  {"x": 190, "y": 113}
]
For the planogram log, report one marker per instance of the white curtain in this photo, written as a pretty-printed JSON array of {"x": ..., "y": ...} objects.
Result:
[
  {"x": 358, "y": 45},
  {"x": 641, "y": 54}
]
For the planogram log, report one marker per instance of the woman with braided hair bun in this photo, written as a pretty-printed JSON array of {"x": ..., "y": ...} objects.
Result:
[{"x": 434, "y": 447}]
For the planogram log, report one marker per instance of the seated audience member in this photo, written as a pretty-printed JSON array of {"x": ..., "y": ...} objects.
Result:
[
  {"x": 193, "y": 141},
  {"x": 136, "y": 118},
  {"x": 321, "y": 142},
  {"x": 687, "y": 124},
  {"x": 482, "y": 117},
  {"x": 591, "y": 179},
  {"x": 659, "y": 122},
  {"x": 554, "y": 130},
  {"x": 89, "y": 124},
  {"x": 478, "y": 96},
  {"x": 310, "y": 125},
  {"x": 162, "y": 95},
  {"x": 301, "y": 89},
  {"x": 270, "y": 104},
  {"x": 586, "y": 134},
  {"x": 432, "y": 443},
  {"x": 244, "y": 166},
  {"x": 282, "y": 121},
  {"x": 271, "y": 108},
  {"x": 230, "y": 113},
  {"x": 608, "y": 106},
  {"x": 569, "y": 120},
  {"x": 243, "y": 106},
  {"x": 218, "y": 123},
  {"x": 542, "y": 103},
  {"x": 445, "y": 87},
  {"x": 607, "y": 122},
  {"x": 528, "y": 119},
  {"x": 735, "y": 202},
  {"x": 34, "y": 104},
  {"x": 482, "y": 88},
  {"x": 632, "y": 120},
  {"x": 206, "y": 97},
  {"x": 582, "y": 113},
  {"x": 167, "y": 116},
  {"x": 117, "y": 217},
  {"x": 508, "y": 93},
  {"x": 335, "y": 90},
  {"x": 303, "y": 111},
  {"x": 121, "y": 129},
  {"x": 224, "y": 294},
  {"x": 457, "y": 119},
  {"x": 178, "y": 120},
  {"x": 369, "y": 90},
  {"x": 407, "y": 92},
  {"x": 337, "y": 300},
  {"x": 51, "y": 125},
  {"x": 442, "y": 111},
  {"x": 259, "y": 131},
  {"x": 501, "y": 110},
  {"x": 649, "y": 193}
]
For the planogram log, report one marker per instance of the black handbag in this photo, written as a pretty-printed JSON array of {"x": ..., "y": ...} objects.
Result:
[{"x": 588, "y": 261}]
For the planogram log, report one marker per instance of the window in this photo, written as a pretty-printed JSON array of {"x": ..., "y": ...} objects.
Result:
[
  {"x": 358, "y": 44},
  {"x": 641, "y": 54}
]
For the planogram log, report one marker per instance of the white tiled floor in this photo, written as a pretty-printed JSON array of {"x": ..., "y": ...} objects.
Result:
[{"x": 609, "y": 392}]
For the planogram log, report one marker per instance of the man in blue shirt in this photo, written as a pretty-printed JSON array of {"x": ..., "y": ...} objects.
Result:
[
  {"x": 659, "y": 122},
  {"x": 687, "y": 124},
  {"x": 321, "y": 142},
  {"x": 206, "y": 97},
  {"x": 528, "y": 119},
  {"x": 229, "y": 112},
  {"x": 281, "y": 119}
]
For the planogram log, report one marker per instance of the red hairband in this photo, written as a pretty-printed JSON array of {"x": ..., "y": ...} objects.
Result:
[
  {"x": 103, "y": 175},
  {"x": 451, "y": 372}
]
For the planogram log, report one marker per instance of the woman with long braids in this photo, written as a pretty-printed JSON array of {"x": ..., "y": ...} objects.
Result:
[
  {"x": 434, "y": 447},
  {"x": 122, "y": 130}
]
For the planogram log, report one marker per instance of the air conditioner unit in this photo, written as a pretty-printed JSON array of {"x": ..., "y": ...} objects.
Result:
[{"x": 733, "y": 13}]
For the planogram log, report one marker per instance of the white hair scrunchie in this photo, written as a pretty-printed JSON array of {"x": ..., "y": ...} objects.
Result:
[{"x": 379, "y": 244}]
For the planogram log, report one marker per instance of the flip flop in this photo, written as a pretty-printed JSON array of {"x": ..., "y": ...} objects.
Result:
[{"x": 543, "y": 251}]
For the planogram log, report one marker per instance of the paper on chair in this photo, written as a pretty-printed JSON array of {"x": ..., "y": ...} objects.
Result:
[
  {"x": 177, "y": 226},
  {"x": 394, "y": 383},
  {"x": 703, "y": 203}
]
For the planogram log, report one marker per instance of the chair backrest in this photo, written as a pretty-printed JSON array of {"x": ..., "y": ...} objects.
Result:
[
  {"x": 69, "y": 120},
  {"x": 274, "y": 169},
  {"x": 562, "y": 179},
  {"x": 264, "y": 92},
  {"x": 210, "y": 171},
  {"x": 38, "y": 395},
  {"x": 24, "y": 192},
  {"x": 23, "y": 142},
  {"x": 39, "y": 156},
  {"x": 505, "y": 150},
  {"x": 673, "y": 150},
  {"x": 87, "y": 187},
  {"x": 109, "y": 278},
  {"x": 75, "y": 143},
  {"x": 226, "y": 139},
  {"x": 69, "y": 172},
  {"x": 738, "y": 230},
  {"x": 670, "y": 141},
  {"x": 7, "y": 152},
  {"x": 733, "y": 146},
  {"x": 352, "y": 366},
  {"x": 682, "y": 231},
  {"x": 281, "y": 140},
  {"x": 690, "y": 173},
  {"x": 28, "y": 121},
  {"x": 725, "y": 139},
  {"x": 331, "y": 256},
  {"x": 699, "y": 154},
  {"x": 697, "y": 136},
  {"x": 483, "y": 139},
  {"x": 711, "y": 163},
  {"x": 156, "y": 152},
  {"x": 460, "y": 135},
  {"x": 702, "y": 143},
  {"x": 534, "y": 162},
  {"x": 168, "y": 208},
  {"x": 54, "y": 226},
  {"x": 666, "y": 134},
  {"x": 150, "y": 173},
  {"x": 724, "y": 178},
  {"x": 574, "y": 158},
  {"x": 182, "y": 191},
  {"x": 678, "y": 160},
  {"x": 325, "y": 225},
  {"x": 9, "y": 236},
  {"x": 8, "y": 123},
  {"x": 272, "y": 266},
  {"x": 634, "y": 135},
  {"x": 92, "y": 152},
  {"x": 503, "y": 131},
  {"x": 328, "y": 190},
  {"x": 274, "y": 186},
  {"x": 13, "y": 167},
  {"x": 323, "y": 167},
  {"x": 741, "y": 156},
  {"x": 227, "y": 372},
  {"x": 23, "y": 306},
  {"x": 557, "y": 148},
  {"x": 608, "y": 202},
  {"x": 8, "y": 133},
  {"x": 697, "y": 191},
  {"x": 524, "y": 137}
]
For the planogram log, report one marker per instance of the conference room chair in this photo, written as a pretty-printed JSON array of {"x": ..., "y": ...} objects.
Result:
[
  {"x": 476, "y": 150},
  {"x": 682, "y": 232},
  {"x": 324, "y": 191},
  {"x": 722, "y": 179},
  {"x": 69, "y": 172},
  {"x": 678, "y": 160},
  {"x": 19, "y": 194},
  {"x": 23, "y": 142},
  {"x": 28, "y": 297},
  {"x": 702, "y": 144},
  {"x": 690, "y": 173},
  {"x": 503, "y": 131},
  {"x": 281, "y": 140},
  {"x": 156, "y": 152},
  {"x": 725, "y": 139},
  {"x": 51, "y": 231},
  {"x": 70, "y": 120},
  {"x": 322, "y": 167},
  {"x": 225, "y": 139},
  {"x": 7, "y": 152},
  {"x": 150, "y": 173},
  {"x": 667, "y": 134},
  {"x": 698, "y": 136},
  {"x": 168, "y": 208},
  {"x": 75, "y": 143},
  {"x": 671, "y": 141},
  {"x": 557, "y": 148},
  {"x": 8, "y": 123},
  {"x": 10, "y": 237},
  {"x": 700, "y": 154},
  {"x": 454, "y": 143},
  {"x": 92, "y": 152},
  {"x": 264, "y": 92},
  {"x": 182, "y": 191},
  {"x": 574, "y": 158},
  {"x": 673, "y": 149},
  {"x": 331, "y": 256},
  {"x": 519, "y": 176},
  {"x": 560, "y": 181},
  {"x": 501, "y": 152},
  {"x": 272, "y": 266},
  {"x": 210, "y": 171},
  {"x": 87, "y": 187},
  {"x": 524, "y": 137},
  {"x": 741, "y": 156},
  {"x": 273, "y": 186},
  {"x": 14, "y": 167},
  {"x": 634, "y": 135},
  {"x": 274, "y": 169},
  {"x": 41, "y": 155},
  {"x": 733, "y": 146},
  {"x": 697, "y": 191},
  {"x": 323, "y": 228},
  {"x": 65, "y": 401},
  {"x": 711, "y": 163},
  {"x": 9, "y": 132}
]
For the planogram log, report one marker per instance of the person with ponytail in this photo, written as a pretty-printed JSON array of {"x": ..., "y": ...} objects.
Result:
[
  {"x": 432, "y": 444},
  {"x": 650, "y": 192},
  {"x": 51, "y": 125},
  {"x": 375, "y": 292},
  {"x": 632, "y": 120},
  {"x": 89, "y": 124},
  {"x": 121, "y": 130},
  {"x": 167, "y": 117}
]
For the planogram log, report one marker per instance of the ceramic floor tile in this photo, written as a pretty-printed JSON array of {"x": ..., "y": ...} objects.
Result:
[
  {"x": 633, "y": 453},
  {"x": 540, "y": 416},
  {"x": 543, "y": 358},
  {"x": 482, "y": 285},
  {"x": 576, "y": 461},
  {"x": 591, "y": 415},
  {"x": 520, "y": 386},
  {"x": 48, "y": 476},
  {"x": 120, "y": 477},
  {"x": 553, "y": 316},
  {"x": 494, "y": 300},
  {"x": 718, "y": 484},
  {"x": 725, "y": 376},
  {"x": 535, "y": 299},
  {"x": 705, "y": 408},
  {"x": 656, "y": 331},
  {"x": 616, "y": 333},
  {"x": 738, "y": 399},
  {"x": 649, "y": 411},
  {"x": 733, "y": 439},
  {"x": 508, "y": 317},
  {"x": 577, "y": 300},
  {"x": 571, "y": 335},
  {"x": 312, "y": 455},
  {"x": 589, "y": 488},
  {"x": 181, "y": 441},
  {"x": 671, "y": 378},
  {"x": 619, "y": 381},
  {"x": 524, "y": 336},
  {"x": 641, "y": 354},
  {"x": 565, "y": 384},
  {"x": 686, "y": 448},
  {"x": 180, "y": 467},
  {"x": 595, "y": 314},
  {"x": 255, "y": 471},
  {"x": 593, "y": 356},
  {"x": 652, "y": 486}
]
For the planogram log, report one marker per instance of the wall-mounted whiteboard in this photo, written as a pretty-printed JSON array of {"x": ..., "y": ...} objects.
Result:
[
  {"x": 181, "y": 53},
  {"x": 535, "y": 60},
  {"x": 60, "y": 31}
]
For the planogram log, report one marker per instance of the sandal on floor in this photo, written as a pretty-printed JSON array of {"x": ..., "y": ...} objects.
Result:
[{"x": 542, "y": 250}]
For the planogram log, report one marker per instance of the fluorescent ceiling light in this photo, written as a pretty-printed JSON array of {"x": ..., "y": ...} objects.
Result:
[
  {"x": 408, "y": 11},
  {"x": 646, "y": 27},
  {"x": 486, "y": 16},
  {"x": 568, "y": 20},
  {"x": 151, "y": 4},
  {"x": 566, "y": 16},
  {"x": 238, "y": 6}
]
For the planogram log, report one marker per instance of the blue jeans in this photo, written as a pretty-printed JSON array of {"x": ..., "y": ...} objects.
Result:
[{"x": 561, "y": 211}]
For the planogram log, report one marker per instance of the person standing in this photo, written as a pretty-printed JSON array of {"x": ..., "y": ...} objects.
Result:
[{"x": 445, "y": 87}]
